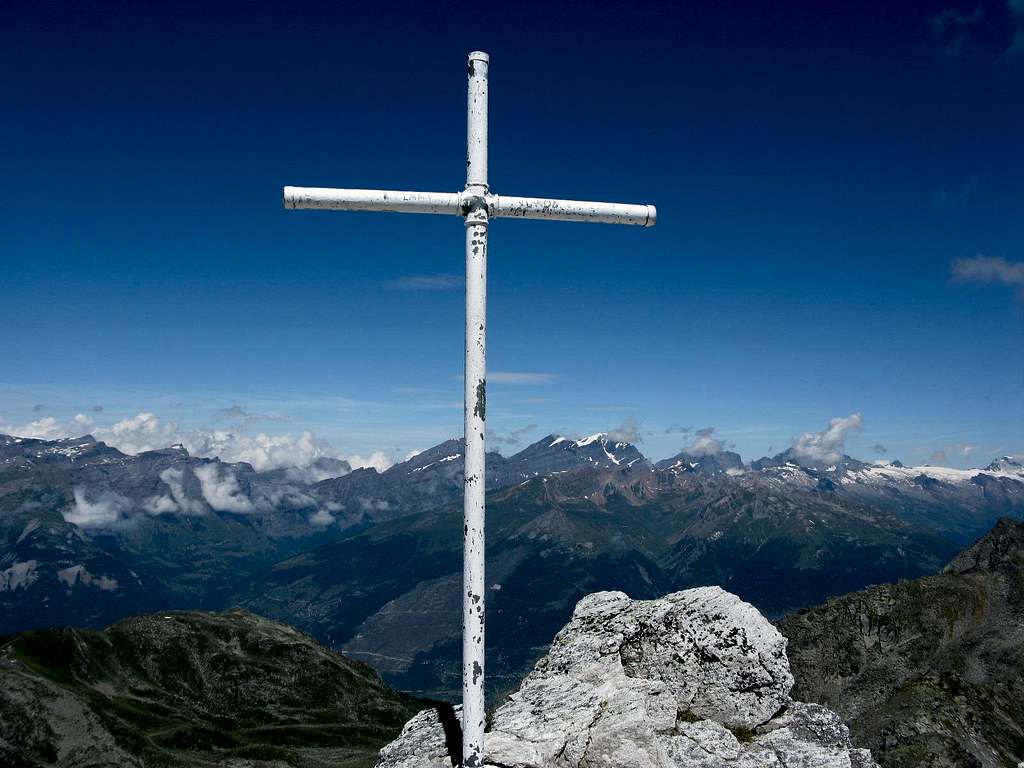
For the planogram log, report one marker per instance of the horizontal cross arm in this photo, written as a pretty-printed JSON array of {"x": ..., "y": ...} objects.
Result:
[
  {"x": 321, "y": 198},
  {"x": 457, "y": 204},
  {"x": 573, "y": 210}
]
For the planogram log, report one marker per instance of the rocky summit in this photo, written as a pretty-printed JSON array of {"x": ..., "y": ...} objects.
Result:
[{"x": 698, "y": 678}]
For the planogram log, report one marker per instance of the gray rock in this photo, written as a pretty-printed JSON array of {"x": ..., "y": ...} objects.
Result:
[{"x": 697, "y": 678}]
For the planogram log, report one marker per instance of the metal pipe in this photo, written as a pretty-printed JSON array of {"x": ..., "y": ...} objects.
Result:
[
  {"x": 478, "y": 206},
  {"x": 477, "y": 216},
  {"x": 320, "y": 198},
  {"x": 476, "y": 122},
  {"x": 572, "y": 210}
]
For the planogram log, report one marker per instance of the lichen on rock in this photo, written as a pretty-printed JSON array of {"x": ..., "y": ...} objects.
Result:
[{"x": 697, "y": 678}]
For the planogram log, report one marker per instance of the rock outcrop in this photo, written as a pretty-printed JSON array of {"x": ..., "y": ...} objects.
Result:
[{"x": 697, "y": 678}]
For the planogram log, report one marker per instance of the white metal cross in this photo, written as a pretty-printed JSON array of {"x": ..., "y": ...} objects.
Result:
[{"x": 477, "y": 205}]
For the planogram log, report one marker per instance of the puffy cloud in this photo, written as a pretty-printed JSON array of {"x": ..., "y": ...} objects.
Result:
[
  {"x": 82, "y": 422},
  {"x": 142, "y": 432},
  {"x": 107, "y": 509},
  {"x": 221, "y": 490},
  {"x": 49, "y": 428},
  {"x": 705, "y": 443},
  {"x": 990, "y": 270},
  {"x": 377, "y": 460},
  {"x": 627, "y": 431},
  {"x": 312, "y": 455},
  {"x": 179, "y": 500},
  {"x": 321, "y": 518},
  {"x": 147, "y": 432},
  {"x": 827, "y": 447},
  {"x": 46, "y": 428},
  {"x": 373, "y": 505},
  {"x": 157, "y": 505},
  {"x": 263, "y": 451}
]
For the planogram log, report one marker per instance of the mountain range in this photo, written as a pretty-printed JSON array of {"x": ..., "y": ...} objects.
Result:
[{"x": 370, "y": 561}]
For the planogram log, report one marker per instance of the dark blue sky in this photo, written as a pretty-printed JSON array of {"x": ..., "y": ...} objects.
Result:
[{"x": 818, "y": 169}]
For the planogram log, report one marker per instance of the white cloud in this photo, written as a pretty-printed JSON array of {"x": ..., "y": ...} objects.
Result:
[
  {"x": 378, "y": 460},
  {"x": 46, "y": 428},
  {"x": 142, "y": 432},
  {"x": 105, "y": 510},
  {"x": 148, "y": 432},
  {"x": 178, "y": 501},
  {"x": 157, "y": 505},
  {"x": 263, "y": 451},
  {"x": 990, "y": 269},
  {"x": 321, "y": 518},
  {"x": 827, "y": 447},
  {"x": 222, "y": 491},
  {"x": 627, "y": 431},
  {"x": 83, "y": 423},
  {"x": 49, "y": 428},
  {"x": 705, "y": 443},
  {"x": 373, "y": 505}
]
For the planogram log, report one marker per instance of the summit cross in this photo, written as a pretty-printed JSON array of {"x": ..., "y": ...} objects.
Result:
[{"x": 477, "y": 205}]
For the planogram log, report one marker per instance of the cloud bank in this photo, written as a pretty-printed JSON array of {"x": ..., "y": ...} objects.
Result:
[{"x": 148, "y": 432}]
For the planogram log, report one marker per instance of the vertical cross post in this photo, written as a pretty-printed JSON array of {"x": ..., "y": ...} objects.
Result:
[
  {"x": 478, "y": 205},
  {"x": 477, "y": 220}
]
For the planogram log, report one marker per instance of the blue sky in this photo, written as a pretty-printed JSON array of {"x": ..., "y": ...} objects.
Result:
[{"x": 818, "y": 168}]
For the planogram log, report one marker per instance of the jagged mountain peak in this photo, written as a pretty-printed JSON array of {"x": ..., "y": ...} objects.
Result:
[
  {"x": 702, "y": 463},
  {"x": 1006, "y": 464},
  {"x": 791, "y": 458},
  {"x": 1000, "y": 549},
  {"x": 445, "y": 452},
  {"x": 601, "y": 449},
  {"x": 176, "y": 451}
]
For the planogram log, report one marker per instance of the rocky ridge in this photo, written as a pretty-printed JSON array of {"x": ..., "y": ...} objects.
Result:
[
  {"x": 929, "y": 671},
  {"x": 189, "y": 689},
  {"x": 697, "y": 679}
]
